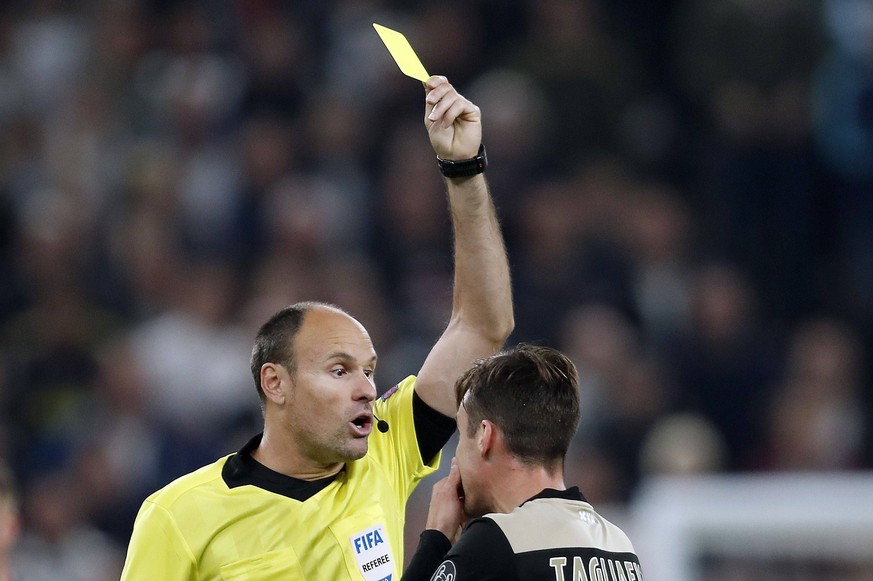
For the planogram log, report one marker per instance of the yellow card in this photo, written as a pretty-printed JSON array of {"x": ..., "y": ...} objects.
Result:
[{"x": 402, "y": 52}]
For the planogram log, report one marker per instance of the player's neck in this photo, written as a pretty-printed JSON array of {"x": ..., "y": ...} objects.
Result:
[
  {"x": 519, "y": 482},
  {"x": 281, "y": 455}
]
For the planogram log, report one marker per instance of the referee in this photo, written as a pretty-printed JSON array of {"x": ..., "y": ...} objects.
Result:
[
  {"x": 518, "y": 411},
  {"x": 320, "y": 494}
]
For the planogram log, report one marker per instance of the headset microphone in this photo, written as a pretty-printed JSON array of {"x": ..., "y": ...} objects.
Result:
[{"x": 381, "y": 425}]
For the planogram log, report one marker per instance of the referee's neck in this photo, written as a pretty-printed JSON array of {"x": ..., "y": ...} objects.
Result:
[{"x": 282, "y": 455}]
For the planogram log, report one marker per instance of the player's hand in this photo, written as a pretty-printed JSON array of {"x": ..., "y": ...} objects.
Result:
[
  {"x": 446, "y": 512},
  {"x": 453, "y": 123}
]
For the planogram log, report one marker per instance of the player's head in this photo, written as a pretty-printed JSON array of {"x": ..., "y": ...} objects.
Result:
[
  {"x": 530, "y": 394},
  {"x": 313, "y": 366}
]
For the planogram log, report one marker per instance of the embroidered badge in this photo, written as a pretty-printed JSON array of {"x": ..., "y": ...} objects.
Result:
[
  {"x": 445, "y": 572},
  {"x": 390, "y": 392},
  {"x": 373, "y": 553}
]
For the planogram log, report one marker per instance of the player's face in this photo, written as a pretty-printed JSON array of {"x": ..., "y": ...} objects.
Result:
[
  {"x": 330, "y": 412},
  {"x": 470, "y": 466}
]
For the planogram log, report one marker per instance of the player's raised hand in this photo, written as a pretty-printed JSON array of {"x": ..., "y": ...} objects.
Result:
[
  {"x": 446, "y": 512},
  {"x": 453, "y": 123}
]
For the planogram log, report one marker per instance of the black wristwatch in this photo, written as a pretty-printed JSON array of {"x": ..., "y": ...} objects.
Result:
[{"x": 462, "y": 168}]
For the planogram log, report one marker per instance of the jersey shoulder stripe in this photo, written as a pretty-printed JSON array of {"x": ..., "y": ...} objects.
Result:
[{"x": 572, "y": 523}]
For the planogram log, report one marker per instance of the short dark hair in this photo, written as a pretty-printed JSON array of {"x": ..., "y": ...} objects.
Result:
[
  {"x": 274, "y": 342},
  {"x": 531, "y": 393}
]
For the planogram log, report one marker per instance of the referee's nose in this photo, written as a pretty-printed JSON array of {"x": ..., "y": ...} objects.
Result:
[{"x": 364, "y": 389}]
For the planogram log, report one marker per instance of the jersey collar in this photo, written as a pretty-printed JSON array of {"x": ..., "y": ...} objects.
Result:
[
  {"x": 241, "y": 469},
  {"x": 572, "y": 493}
]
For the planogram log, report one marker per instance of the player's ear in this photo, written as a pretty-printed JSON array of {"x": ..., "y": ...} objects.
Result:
[
  {"x": 273, "y": 378},
  {"x": 486, "y": 437}
]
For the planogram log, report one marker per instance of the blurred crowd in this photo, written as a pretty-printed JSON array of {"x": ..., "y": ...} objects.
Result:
[{"x": 686, "y": 189}]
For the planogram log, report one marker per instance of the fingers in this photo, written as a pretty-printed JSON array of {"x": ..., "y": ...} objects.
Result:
[
  {"x": 453, "y": 123},
  {"x": 437, "y": 92},
  {"x": 453, "y": 481},
  {"x": 454, "y": 477},
  {"x": 435, "y": 81},
  {"x": 436, "y": 87},
  {"x": 446, "y": 487},
  {"x": 446, "y": 512},
  {"x": 443, "y": 103},
  {"x": 438, "y": 101},
  {"x": 450, "y": 486}
]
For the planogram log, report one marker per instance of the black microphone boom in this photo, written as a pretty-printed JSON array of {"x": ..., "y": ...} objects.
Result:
[{"x": 381, "y": 425}]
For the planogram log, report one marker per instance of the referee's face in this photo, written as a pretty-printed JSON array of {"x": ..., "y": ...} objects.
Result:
[{"x": 330, "y": 397}]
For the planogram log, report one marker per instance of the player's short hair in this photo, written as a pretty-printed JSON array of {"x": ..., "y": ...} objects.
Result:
[
  {"x": 531, "y": 393},
  {"x": 274, "y": 342}
]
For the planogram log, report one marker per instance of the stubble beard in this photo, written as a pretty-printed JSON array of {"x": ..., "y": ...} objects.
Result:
[{"x": 345, "y": 449}]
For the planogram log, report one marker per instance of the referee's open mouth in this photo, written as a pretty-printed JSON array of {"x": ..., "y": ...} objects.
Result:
[{"x": 362, "y": 424}]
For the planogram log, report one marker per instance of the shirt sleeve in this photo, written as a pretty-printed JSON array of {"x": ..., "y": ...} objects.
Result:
[
  {"x": 481, "y": 554},
  {"x": 432, "y": 429},
  {"x": 397, "y": 449},
  {"x": 157, "y": 549},
  {"x": 432, "y": 548}
]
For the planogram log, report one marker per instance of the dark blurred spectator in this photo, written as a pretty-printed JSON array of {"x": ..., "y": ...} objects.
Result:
[
  {"x": 451, "y": 40},
  {"x": 10, "y": 293},
  {"x": 57, "y": 542},
  {"x": 518, "y": 133},
  {"x": 277, "y": 48},
  {"x": 597, "y": 472},
  {"x": 726, "y": 363},
  {"x": 49, "y": 343},
  {"x": 567, "y": 251},
  {"x": 843, "y": 121},
  {"x": 140, "y": 235},
  {"x": 191, "y": 89},
  {"x": 623, "y": 392},
  {"x": 171, "y": 350},
  {"x": 658, "y": 231},
  {"x": 50, "y": 370},
  {"x": 268, "y": 154},
  {"x": 604, "y": 345},
  {"x": 410, "y": 238},
  {"x": 646, "y": 25},
  {"x": 336, "y": 155},
  {"x": 815, "y": 417},
  {"x": 10, "y": 522},
  {"x": 48, "y": 50},
  {"x": 588, "y": 73},
  {"x": 682, "y": 444},
  {"x": 121, "y": 452},
  {"x": 745, "y": 67},
  {"x": 353, "y": 64}
]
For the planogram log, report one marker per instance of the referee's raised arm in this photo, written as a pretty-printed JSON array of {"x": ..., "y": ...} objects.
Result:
[
  {"x": 482, "y": 316},
  {"x": 317, "y": 494}
]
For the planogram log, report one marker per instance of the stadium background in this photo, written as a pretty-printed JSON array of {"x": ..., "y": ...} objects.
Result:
[{"x": 686, "y": 190}]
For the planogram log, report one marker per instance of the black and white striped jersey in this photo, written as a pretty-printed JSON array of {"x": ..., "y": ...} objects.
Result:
[{"x": 554, "y": 536}]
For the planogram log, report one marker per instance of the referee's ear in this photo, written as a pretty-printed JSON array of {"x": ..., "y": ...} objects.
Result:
[{"x": 273, "y": 377}]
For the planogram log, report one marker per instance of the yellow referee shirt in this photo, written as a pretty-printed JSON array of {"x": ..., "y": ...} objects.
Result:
[{"x": 237, "y": 519}]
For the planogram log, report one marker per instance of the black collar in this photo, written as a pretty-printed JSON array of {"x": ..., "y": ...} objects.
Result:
[
  {"x": 243, "y": 470},
  {"x": 572, "y": 493}
]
